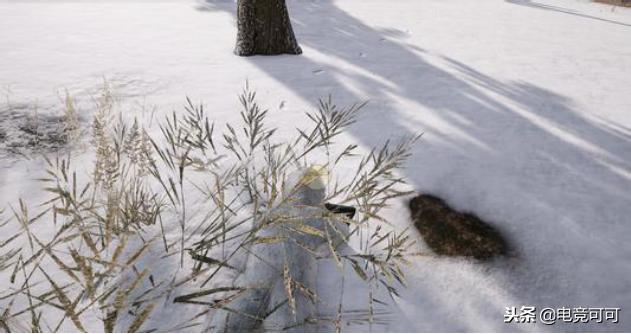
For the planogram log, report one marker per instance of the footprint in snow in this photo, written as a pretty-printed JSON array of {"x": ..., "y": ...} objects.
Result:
[
  {"x": 281, "y": 105},
  {"x": 318, "y": 71}
]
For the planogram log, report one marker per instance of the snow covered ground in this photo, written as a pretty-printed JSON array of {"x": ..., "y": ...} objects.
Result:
[{"x": 525, "y": 105}]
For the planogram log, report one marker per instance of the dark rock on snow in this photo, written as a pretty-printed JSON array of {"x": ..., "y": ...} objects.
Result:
[{"x": 452, "y": 233}]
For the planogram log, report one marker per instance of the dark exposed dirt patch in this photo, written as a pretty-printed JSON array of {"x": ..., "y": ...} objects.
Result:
[
  {"x": 23, "y": 132},
  {"x": 451, "y": 233},
  {"x": 624, "y": 3}
]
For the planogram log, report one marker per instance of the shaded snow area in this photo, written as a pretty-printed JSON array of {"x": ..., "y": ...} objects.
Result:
[{"x": 525, "y": 108}]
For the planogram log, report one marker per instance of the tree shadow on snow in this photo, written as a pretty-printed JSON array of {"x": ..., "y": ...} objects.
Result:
[{"x": 513, "y": 152}]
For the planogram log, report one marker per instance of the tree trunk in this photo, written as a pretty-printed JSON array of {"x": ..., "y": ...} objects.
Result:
[{"x": 264, "y": 28}]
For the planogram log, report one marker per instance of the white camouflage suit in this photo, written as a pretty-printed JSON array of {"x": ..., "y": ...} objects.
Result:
[{"x": 265, "y": 305}]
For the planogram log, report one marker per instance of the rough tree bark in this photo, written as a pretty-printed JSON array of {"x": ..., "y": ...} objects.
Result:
[{"x": 264, "y": 28}]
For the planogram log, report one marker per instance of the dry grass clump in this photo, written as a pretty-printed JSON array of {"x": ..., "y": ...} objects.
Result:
[
  {"x": 96, "y": 242},
  {"x": 191, "y": 195}
]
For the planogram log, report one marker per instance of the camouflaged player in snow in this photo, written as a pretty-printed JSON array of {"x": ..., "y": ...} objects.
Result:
[{"x": 269, "y": 303}]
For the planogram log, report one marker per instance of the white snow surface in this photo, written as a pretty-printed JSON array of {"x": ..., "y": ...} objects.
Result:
[{"x": 525, "y": 106}]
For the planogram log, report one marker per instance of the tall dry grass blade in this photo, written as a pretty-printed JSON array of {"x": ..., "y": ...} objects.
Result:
[{"x": 69, "y": 307}]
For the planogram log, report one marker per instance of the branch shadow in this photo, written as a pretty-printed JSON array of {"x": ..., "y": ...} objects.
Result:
[
  {"x": 513, "y": 152},
  {"x": 534, "y": 4}
]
